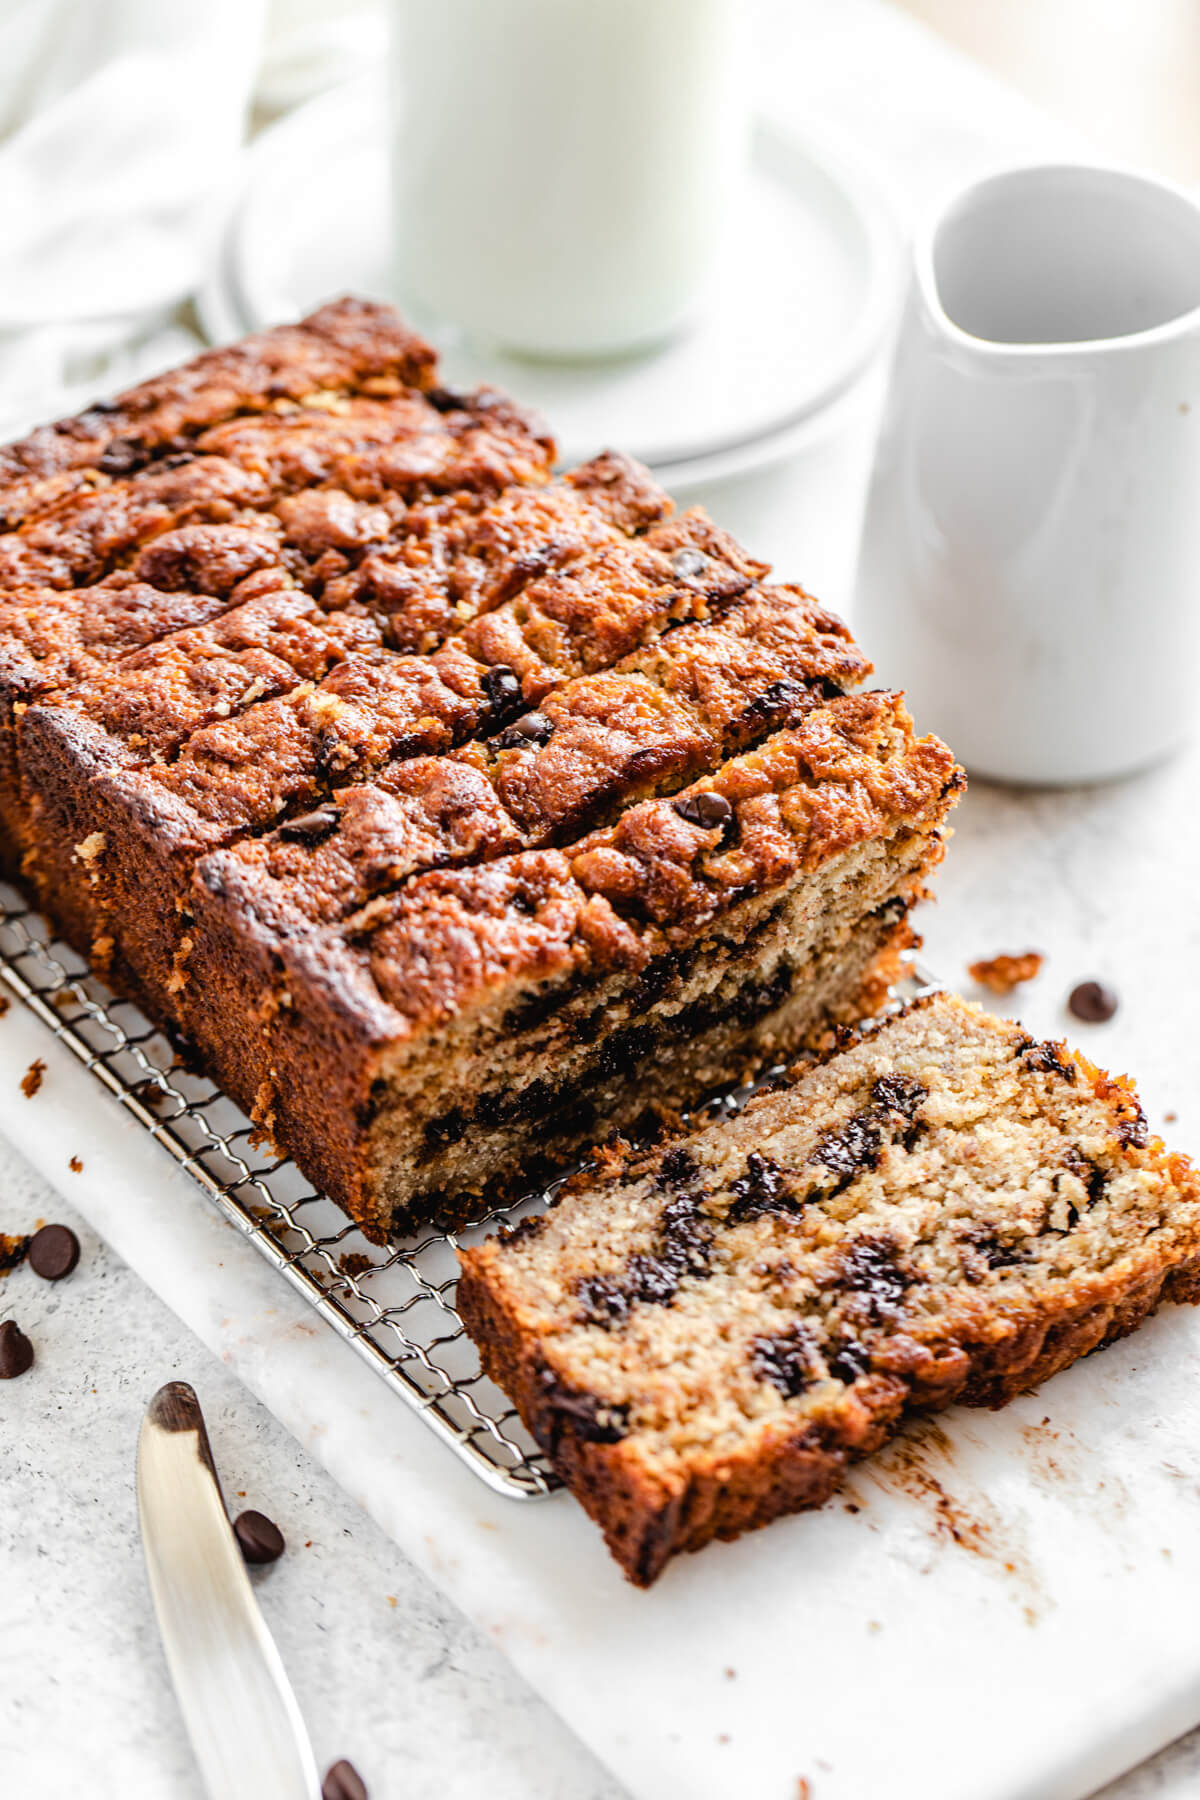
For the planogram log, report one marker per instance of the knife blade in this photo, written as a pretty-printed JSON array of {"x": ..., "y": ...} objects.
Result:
[{"x": 238, "y": 1706}]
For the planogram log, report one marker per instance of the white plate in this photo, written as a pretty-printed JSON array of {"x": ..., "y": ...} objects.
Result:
[{"x": 803, "y": 293}]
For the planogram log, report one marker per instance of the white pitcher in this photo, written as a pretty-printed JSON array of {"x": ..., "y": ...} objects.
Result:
[{"x": 1030, "y": 561}]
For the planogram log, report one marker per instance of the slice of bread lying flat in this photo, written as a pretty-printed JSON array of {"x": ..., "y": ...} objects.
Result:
[{"x": 703, "y": 1336}]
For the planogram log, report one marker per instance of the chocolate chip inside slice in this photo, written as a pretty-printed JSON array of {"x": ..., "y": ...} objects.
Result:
[
  {"x": 709, "y": 811},
  {"x": 16, "y": 1351},
  {"x": 343, "y": 1782},
  {"x": 1092, "y": 1002},
  {"x": 54, "y": 1252},
  {"x": 260, "y": 1538},
  {"x": 311, "y": 827}
]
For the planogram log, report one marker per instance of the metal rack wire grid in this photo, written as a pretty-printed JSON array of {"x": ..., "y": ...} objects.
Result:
[{"x": 395, "y": 1305}]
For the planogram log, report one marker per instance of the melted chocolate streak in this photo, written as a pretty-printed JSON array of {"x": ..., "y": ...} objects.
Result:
[{"x": 684, "y": 1241}]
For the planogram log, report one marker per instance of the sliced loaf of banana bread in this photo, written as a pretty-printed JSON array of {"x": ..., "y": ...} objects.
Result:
[{"x": 944, "y": 1210}]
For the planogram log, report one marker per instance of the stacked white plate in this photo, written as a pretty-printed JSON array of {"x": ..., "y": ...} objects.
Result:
[{"x": 803, "y": 293}]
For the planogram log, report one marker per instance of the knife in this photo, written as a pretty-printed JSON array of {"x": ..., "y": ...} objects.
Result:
[{"x": 237, "y": 1704}]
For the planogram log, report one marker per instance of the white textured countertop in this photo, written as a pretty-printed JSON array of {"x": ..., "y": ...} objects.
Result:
[{"x": 386, "y": 1671}]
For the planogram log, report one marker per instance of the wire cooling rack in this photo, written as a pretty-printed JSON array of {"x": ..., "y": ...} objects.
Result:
[{"x": 395, "y": 1305}]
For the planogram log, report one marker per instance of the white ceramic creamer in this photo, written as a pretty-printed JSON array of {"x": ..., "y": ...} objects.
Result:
[
  {"x": 560, "y": 168},
  {"x": 1030, "y": 560}
]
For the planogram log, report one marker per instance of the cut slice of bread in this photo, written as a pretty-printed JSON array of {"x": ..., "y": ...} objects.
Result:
[{"x": 943, "y": 1210}]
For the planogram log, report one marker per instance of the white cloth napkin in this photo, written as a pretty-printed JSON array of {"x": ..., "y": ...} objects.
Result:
[{"x": 121, "y": 125}]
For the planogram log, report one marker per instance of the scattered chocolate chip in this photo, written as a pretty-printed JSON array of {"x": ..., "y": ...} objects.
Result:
[
  {"x": 524, "y": 1230},
  {"x": 16, "y": 1351},
  {"x": 683, "y": 1247},
  {"x": 847, "y": 1360},
  {"x": 75, "y": 1165},
  {"x": 593, "y": 1420},
  {"x": 778, "y": 701},
  {"x": 1047, "y": 1057},
  {"x": 343, "y": 1782},
  {"x": 1093, "y": 1177},
  {"x": 503, "y": 690},
  {"x": 603, "y": 1300},
  {"x": 850, "y": 1151},
  {"x": 688, "y": 563},
  {"x": 54, "y": 1252},
  {"x": 899, "y": 1094},
  {"x": 678, "y": 1166},
  {"x": 1001, "y": 1256},
  {"x": 446, "y": 399},
  {"x": 31, "y": 1080},
  {"x": 870, "y": 1272},
  {"x": 1134, "y": 1130},
  {"x": 531, "y": 728},
  {"x": 311, "y": 827},
  {"x": 1092, "y": 1002},
  {"x": 122, "y": 457},
  {"x": 760, "y": 1191},
  {"x": 709, "y": 811},
  {"x": 260, "y": 1538},
  {"x": 789, "y": 1362}
]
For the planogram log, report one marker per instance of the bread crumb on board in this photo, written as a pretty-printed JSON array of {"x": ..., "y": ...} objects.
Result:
[
  {"x": 31, "y": 1080},
  {"x": 1001, "y": 974}
]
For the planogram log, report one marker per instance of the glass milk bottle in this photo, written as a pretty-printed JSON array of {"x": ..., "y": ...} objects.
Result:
[{"x": 561, "y": 167}]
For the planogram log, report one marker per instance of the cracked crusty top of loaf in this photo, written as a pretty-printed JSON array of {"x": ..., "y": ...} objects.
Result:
[
  {"x": 364, "y": 604},
  {"x": 912, "y": 1220},
  {"x": 435, "y": 939}
]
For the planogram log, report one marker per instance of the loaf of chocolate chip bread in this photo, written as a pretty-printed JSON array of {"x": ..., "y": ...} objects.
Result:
[
  {"x": 453, "y": 810},
  {"x": 945, "y": 1210}
]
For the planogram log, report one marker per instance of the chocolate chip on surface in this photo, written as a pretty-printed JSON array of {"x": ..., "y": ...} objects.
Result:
[
  {"x": 501, "y": 686},
  {"x": 121, "y": 457},
  {"x": 688, "y": 563},
  {"x": 531, "y": 728},
  {"x": 1092, "y": 1002},
  {"x": 709, "y": 811},
  {"x": 16, "y": 1351},
  {"x": 53, "y": 1252},
  {"x": 311, "y": 827},
  {"x": 260, "y": 1539},
  {"x": 31, "y": 1080},
  {"x": 343, "y": 1782}
]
